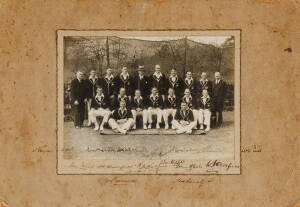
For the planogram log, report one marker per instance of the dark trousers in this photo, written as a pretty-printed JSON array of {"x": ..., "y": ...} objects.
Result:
[
  {"x": 78, "y": 111},
  {"x": 217, "y": 112},
  {"x": 219, "y": 117}
]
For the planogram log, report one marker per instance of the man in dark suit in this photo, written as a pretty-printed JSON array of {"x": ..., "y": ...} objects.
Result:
[
  {"x": 158, "y": 80},
  {"x": 124, "y": 80},
  {"x": 141, "y": 82},
  {"x": 219, "y": 93},
  {"x": 78, "y": 98},
  {"x": 205, "y": 84},
  {"x": 175, "y": 82},
  {"x": 190, "y": 83},
  {"x": 92, "y": 83},
  {"x": 184, "y": 120},
  {"x": 109, "y": 85}
]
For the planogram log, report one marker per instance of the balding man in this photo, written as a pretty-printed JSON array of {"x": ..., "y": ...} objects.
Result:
[
  {"x": 219, "y": 93},
  {"x": 78, "y": 97}
]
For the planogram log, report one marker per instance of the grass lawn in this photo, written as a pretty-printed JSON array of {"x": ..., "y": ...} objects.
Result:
[{"x": 85, "y": 143}]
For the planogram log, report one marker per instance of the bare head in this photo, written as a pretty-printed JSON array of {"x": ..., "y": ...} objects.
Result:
[
  {"x": 79, "y": 75},
  {"x": 108, "y": 71},
  {"x": 203, "y": 75},
  {"x": 93, "y": 73},
  {"x": 122, "y": 104},
  {"x": 217, "y": 75},
  {"x": 187, "y": 92},
  {"x": 205, "y": 93},
  {"x": 124, "y": 70},
  {"x": 183, "y": 106},
  {"x": 137, "y": 93},
  {"x": 157, "y": 68},
  {"x": 189, "y": 74},
  {"x": 99, "y": 90},
  {"x": 173, "y": 72},
  {"x": 122, "y": 91},
  {"x": 154, "y": 91},
  {"x": 171, "y": 91}
]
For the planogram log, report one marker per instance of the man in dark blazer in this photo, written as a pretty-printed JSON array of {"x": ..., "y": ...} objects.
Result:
[
  {"x": 92, "y": 82},
  {"x": 139, "y": 108},
  {"x": 158, "y": 80},
  {"x": 184, "y": 120},
  {"x": 219, "y": 93},
  {"x": 205, "y": 84},
  {"x": 171, "y": 104},
  {"x": 121, "y": 97},
  {"x": 141, "y": 82},
  {"x": 175, "y": 82},
  {"x": 124, "y": 80},
  {"x": 99, "y": 107},
  {"x": 121, "y": 119},
  {"x": 109, "y": 85},
  {"x": 155, "y": 106},
  {"x": 190, "y": 83},
  {"x": 78, "y": 98}
]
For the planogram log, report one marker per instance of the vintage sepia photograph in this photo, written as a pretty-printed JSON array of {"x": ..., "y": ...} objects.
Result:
[{"x": 148, "y": 102}]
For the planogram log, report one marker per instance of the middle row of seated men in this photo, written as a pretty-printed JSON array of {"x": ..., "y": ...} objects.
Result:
[{"x": 121, "y": 115}]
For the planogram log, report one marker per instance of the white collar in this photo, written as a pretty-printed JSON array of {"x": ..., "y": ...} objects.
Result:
[
  {"x": 190, "y": 96},
  {"x": 99, "y": 96},
  {"x": 154, "y": 96},
  {"x": 119, "y": 96},
  {"x": 109, "y": 77},
  {"x": 123, "y": 110},
  {"x": 207, "y": 97},
  {"x": 203, "y": 80},
  {"x": 171, "y": 96},
  {"x": 91, "y": 78},
  {"x": 137, "y": 98},
  {"x": 189, "y": 79},
  {"x": 124, "y": 75},
  {"x": 158, "y": 75}
]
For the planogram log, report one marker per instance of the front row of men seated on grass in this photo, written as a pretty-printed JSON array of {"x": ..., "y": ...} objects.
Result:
[{"x": 181, "y": 114}]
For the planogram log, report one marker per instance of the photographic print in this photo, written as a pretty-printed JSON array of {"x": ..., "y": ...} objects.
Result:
[{"x": 148, "y": 102}]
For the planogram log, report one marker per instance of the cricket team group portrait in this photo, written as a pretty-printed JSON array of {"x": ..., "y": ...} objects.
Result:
[
  {"x": 124, "y": 101},
  {"x": 127, "y": 97}
]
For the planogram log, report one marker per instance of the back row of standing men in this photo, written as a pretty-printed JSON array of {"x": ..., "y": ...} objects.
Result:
[{"x": 125, "y": 87}]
